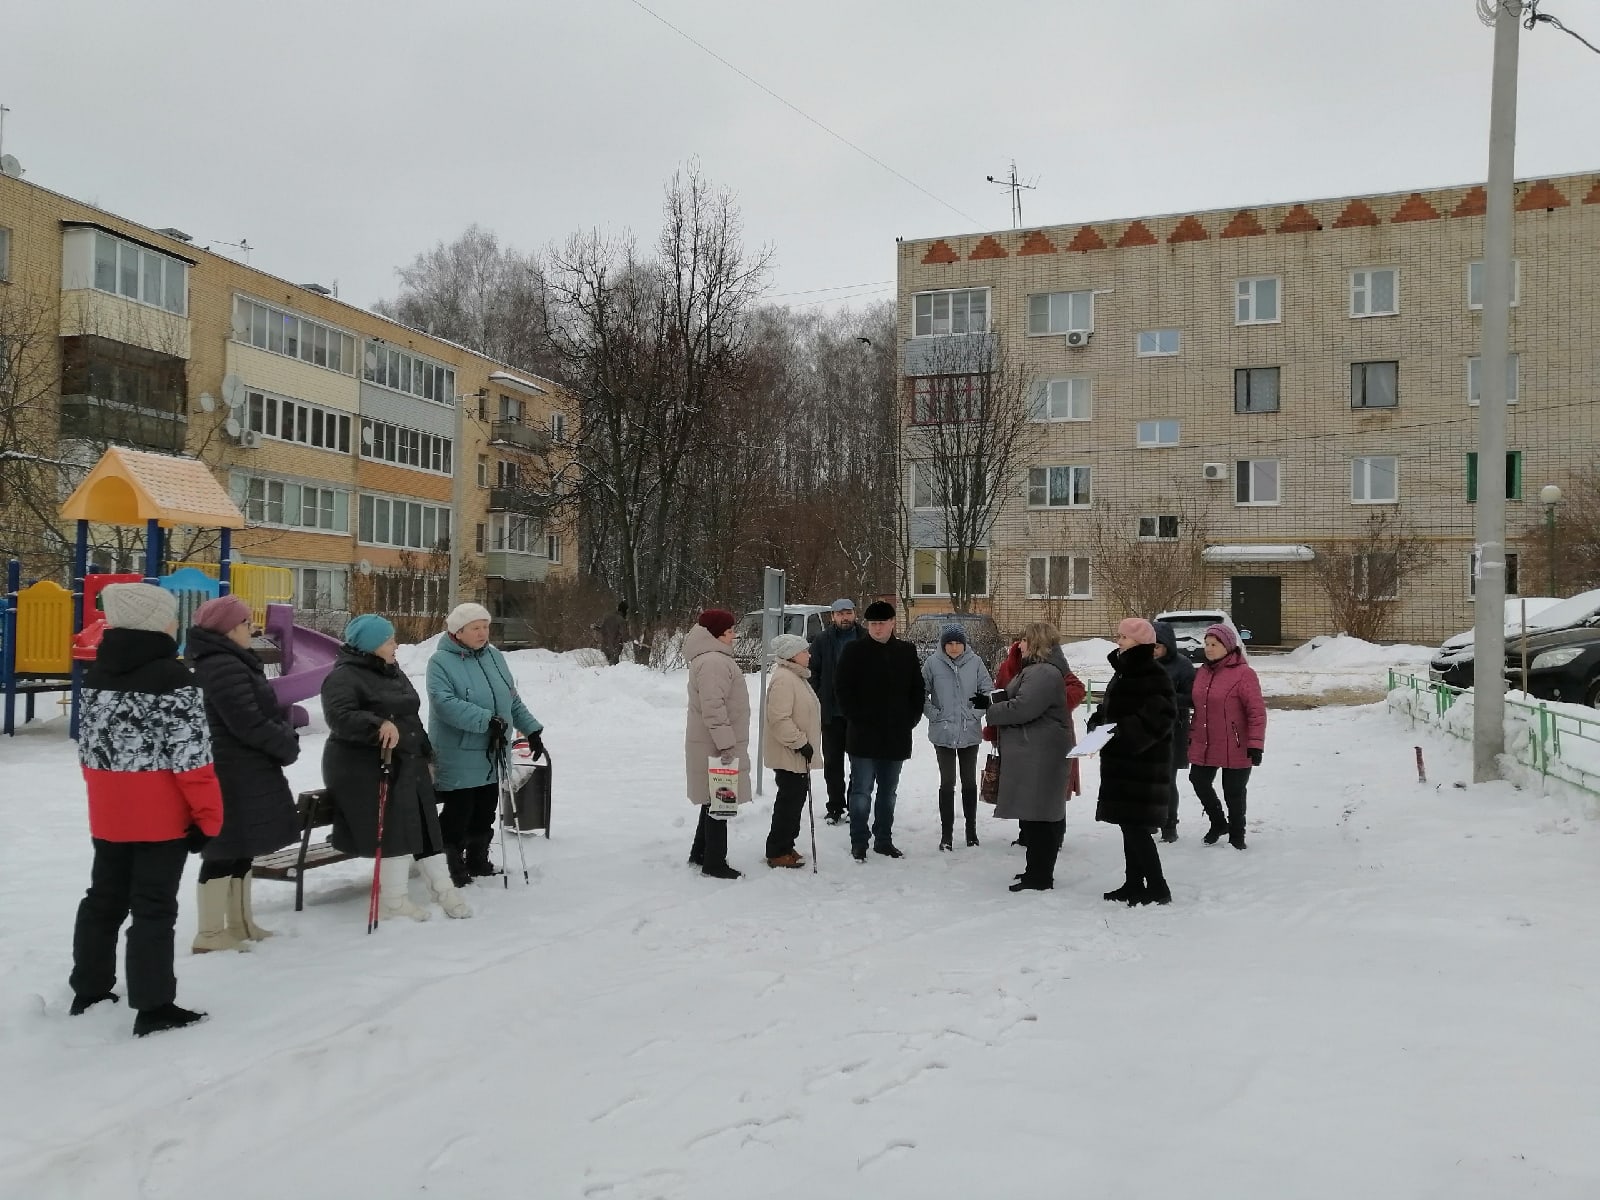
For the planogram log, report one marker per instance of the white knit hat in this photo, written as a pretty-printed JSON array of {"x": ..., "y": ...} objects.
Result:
[
  {"x": 463, "y": 615},
  {"x": 139, "y": 606},
  {"x": 787, "y": 645}
]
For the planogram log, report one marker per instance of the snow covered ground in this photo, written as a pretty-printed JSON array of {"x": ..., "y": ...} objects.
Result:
[{"x": 1392, "y": 993}]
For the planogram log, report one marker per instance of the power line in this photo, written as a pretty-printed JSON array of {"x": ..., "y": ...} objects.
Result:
[
  {"x": 639, "y": 4},
  {"x": 838, "y": 287},
  {"x": 1535, "y": 17}
]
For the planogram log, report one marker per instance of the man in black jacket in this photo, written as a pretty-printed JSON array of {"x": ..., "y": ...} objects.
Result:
[
  {"x": 1181, "y": 671},
  {"x": 826, "y": 648},
  {"x": 880, "y": 691}
]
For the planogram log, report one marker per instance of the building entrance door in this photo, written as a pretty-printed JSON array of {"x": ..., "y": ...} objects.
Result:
[{"x": 1258, "y": 607}]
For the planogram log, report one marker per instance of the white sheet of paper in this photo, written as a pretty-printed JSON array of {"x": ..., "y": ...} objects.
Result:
[{"x": 1092, "y": 741}]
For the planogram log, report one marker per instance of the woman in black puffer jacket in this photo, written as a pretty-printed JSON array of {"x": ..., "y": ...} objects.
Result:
[
  {"x": 1136, "y": 764},
  {"x": 252, "y": 740}
]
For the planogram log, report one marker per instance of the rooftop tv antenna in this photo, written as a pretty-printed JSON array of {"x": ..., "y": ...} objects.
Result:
[
  {"x": 1016, "y": 188},
  {"x": 242, "y": 245}
]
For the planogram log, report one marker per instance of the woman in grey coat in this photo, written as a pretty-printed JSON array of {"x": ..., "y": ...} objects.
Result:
[
  {"x": 1035, "y": 733},
  {"x": 953, "y": 675}
]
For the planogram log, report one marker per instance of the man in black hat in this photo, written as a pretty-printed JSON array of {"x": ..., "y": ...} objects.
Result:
[
  {"x": 879, "y": 689},
  {"x": 826, "y": 648}
]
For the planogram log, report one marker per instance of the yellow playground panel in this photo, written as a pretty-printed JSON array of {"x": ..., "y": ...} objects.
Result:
[
  {"x": 257, "y": 586},
  {"x": 44, "y": 629}
]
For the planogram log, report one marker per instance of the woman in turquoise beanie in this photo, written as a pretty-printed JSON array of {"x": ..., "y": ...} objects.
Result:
[{"x": 370, "y": 706}]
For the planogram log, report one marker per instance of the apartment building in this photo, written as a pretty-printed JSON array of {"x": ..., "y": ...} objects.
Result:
[
  {"x": 355, "y": 446},
  {"x": 1266, "y": 380}
]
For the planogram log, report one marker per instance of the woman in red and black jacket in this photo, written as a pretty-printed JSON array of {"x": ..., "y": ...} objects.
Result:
[{"x": 153, "y": 798}]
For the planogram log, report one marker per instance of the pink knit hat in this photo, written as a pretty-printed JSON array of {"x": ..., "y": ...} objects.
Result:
[
  {"x": 221, "y": 615},
  {"x": 1224, "y": 634},
  {"x": 1141, "y": 631}
]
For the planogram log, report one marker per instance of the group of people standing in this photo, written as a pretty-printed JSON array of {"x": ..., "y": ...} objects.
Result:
[
  {"x": 868, "y": 692},
  {"x": 182, "y": 759}
]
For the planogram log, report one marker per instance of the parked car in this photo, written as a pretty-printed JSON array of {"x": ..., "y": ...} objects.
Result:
[
  {"x": 983, "y": 635},
  {"x": 1563, "y": 664},
  {"x": 1189, "y": 627},
  {"x": 1452, "y": 665},
  {"x": 807, "y": 620}
]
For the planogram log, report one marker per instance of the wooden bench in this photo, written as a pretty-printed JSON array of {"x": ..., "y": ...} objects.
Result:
[{"x": 292, "y": 862}]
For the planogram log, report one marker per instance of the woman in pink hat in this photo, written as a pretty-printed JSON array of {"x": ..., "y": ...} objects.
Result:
[{"x": 1227, "y": 734}]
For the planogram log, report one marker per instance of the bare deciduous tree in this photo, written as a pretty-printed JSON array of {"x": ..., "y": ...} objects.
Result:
[
  {"x": 1361, "y": 578},
  {"x": 1149, "y": 564}
]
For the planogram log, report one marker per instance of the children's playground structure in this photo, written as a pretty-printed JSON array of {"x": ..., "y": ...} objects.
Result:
[{"x": 48, "y": 634}]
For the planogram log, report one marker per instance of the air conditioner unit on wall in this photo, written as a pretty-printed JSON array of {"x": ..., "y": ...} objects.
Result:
[
  {"x": 250, "y": 439},
  {"x": 1214, "y": 470},
  {"x": 1079, "y": 338}
]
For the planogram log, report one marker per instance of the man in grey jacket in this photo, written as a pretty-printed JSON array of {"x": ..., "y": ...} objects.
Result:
[{"x": 826, "y": 648}]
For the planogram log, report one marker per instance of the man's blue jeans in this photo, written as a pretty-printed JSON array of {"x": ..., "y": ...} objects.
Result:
[{"x": 863, "y": 773}]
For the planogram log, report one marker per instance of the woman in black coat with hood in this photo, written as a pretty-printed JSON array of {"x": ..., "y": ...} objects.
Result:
[
  {"x": 1136, "y": 764},
  {"x": 252, "y": 740},
  {"x": 1181, "y": 671}
]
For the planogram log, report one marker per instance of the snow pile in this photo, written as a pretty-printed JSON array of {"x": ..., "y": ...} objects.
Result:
[{"x": 1340, "y": 652}]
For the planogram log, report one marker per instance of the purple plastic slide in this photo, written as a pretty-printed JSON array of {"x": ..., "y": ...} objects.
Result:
[{"x": 308, "y": 656}]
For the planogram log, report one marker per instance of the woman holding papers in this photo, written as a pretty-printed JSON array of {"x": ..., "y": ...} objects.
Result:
[
  {"x": 1034, "y": 735},
  {"x": 1136, "y": 764}
]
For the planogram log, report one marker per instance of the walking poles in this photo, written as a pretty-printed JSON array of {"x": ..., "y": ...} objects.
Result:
[
  {"x": 377, "y": 857},
  {"x": 811, "y": 812},
  {"x": 508, "y": 814}
]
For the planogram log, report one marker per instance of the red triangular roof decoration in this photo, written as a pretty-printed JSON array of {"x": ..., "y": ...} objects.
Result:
[
  {"x": 1137, "y": 234},
  {"x": 1087, "y": 238},
  {"x": 988, "y": 248},
  {"x": 1416, "y": 208},
  {"x": 940, "y": 252},
  {"x": 1299, "y": 219},
  {"x": 1036, "y": 243},
  {"x": 1244, "y": 224}
]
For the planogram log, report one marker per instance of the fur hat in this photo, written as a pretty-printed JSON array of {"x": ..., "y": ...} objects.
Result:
[
  {"x": 717, "y": 621},
  {"x": 139, "y": 606},
  {"x": 366, "y": 632},
  {"x": 221, "y": 615},
  {"x": 463, "y": 615},
  {"x": 1141, "y": 631},
  {"x": 787, "y": 645},
  {"x": 1223, "y": 633},
  {"x": 879, "y": 610},
  {"x": 952, "y": 633}
]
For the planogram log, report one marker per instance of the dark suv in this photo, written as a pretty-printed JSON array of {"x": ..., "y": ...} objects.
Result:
[
  {"x": 983, "y": 635},
  {"x": 1563, "y": 664}
]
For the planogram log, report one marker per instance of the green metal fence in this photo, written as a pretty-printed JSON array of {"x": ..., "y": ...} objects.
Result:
[{"x": 1555, "y": 742}]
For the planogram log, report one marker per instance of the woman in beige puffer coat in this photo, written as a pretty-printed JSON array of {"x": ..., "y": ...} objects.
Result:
[
  {"x": 793, "y": 733},
  {"x": 718, "y": 727}
]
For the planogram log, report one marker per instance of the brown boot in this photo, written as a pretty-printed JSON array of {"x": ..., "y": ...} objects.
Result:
[{"x": 790, "y": 859}]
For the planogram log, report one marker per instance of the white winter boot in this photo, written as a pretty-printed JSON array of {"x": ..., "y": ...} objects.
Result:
[
  {"x": 215, "y": 931},
  {"x": 393, "y": 901},
  {"x": 436, "y": 874},
  {"x": 240, "y": 913}
]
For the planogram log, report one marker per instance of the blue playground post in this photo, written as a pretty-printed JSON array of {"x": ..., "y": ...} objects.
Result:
[
  {"x": 225, "y": 561},
  {"x": 8, "y": 632}
]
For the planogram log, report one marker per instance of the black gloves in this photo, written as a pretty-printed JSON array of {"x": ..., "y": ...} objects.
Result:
[
  {"x": 980, "y": 700},
  {"x": 195, "y": 839},
  {"x": 1255, "y": 757},
  {"x": 1095, "y": 721},
  {"x": 536, "y": 746},
  {"x": 806, "y": 752}
]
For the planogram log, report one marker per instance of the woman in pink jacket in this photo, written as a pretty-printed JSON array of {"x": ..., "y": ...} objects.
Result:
[{"x": 1227, "y": 733}]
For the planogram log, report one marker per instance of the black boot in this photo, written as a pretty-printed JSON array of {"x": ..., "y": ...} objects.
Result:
[
  {"x": 969, "y": 809},
  {"x": 1219, "y": 823},
  {"x": 455, "y": 858},
  {"x": 1128, "y": 893},
  {"x": 1236, "y": 823},
  {"x": 697, "y": 851},
  {"x": 716, "y": 851},
  {"x": 1169, "y": 833},
  {"x": 947, "y": 819},
  {"x": 159, "y": 1020},
  {"x": 82, "y": 1004},
  {"x": 477, "y": 861}
]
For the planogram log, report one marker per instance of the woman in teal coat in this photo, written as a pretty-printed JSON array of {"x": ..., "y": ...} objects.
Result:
[{"x": 472, "y": 701}]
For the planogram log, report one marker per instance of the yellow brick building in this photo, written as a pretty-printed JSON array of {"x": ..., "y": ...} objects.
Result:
[
  {"x": 1274, "y": 376},
  {"x": 354, "y": 445}
]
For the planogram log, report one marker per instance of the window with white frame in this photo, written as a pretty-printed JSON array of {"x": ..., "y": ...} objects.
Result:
[
  {"x": 295, "y": 421},
  {"x": 5, "y": 254},
  {"x": 518, "y": 534},
  {"x": 1156, "y": 433},
  {"x": 933, "y": 571},
  {"x": 1058, "y": 577},
  {"x": 483, "y": 470},
  {"x": 1475, "y": 379},
  {"x": 508, "y": 474},
  {"x": 1375, "y": 577},
  {"x": 404, "y": 524},
  {"x": 1374, "y": 292},
  {"x": 1375, "y": 385},
  {"x": 1059, "y": 487},
  {"x": 923, "y": 492},
  {"x": 402, "y": 371},
  {"x": 558, "y": 427},
  {"x": 1069, "y": 399},
  {"x": 1255, "y": 301},
  {"x": 1475, "y": 283},
  {"x": 278, "y": 331},
  {"x": 937, "y": 313},
  {"x": 947, "y": 399},
  {"x": 511, "y": 410},
  {"x": 1255, "y": 389},
  {"x": 1512, "y": 562},
  {"x": 1375, "y": 479},
  {"x": 1158, "y": 529},
  {"x": 1060, "y": 312},
  {"x": 480, "y": 538},
  {"x": 405, "y": 447},
  {"x": 1158, "y": 343},
  {"x": 552, "y": 547},
  {"x": 408, "y": 593},
  {"x": 322, "y": 589},
  {"x": 1255, "y": 481},
  {"x": 293, "y": 505},
  {"x": 139, "y": 274}
]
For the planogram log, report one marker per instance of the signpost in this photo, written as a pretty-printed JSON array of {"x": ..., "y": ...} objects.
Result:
[{"x": 774, "y": 586}]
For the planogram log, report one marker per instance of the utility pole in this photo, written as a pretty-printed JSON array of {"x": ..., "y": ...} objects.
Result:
[{"x": 1489, "y": 635}]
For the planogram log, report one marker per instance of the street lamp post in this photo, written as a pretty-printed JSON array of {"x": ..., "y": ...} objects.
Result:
[{"x": 1550, "y": 496}]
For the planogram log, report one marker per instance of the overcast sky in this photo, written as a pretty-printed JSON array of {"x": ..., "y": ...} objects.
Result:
[{"x": 342, "y": 137}]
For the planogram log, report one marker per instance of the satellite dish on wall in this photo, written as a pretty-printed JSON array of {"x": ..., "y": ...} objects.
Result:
[
  {"x": 208, "y": 402},
  {"x": 371, "y": 360},
  {"x": 232, "y": 391},
  {"x": 366, "y": 435},
  {"x": 10, "y": 167},
  {"x": 231, "y": 427},
  {"x": 365, "y": 566}
]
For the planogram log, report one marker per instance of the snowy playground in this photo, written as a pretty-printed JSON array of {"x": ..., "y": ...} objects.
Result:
[{"x": 1392, "y": 993}]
